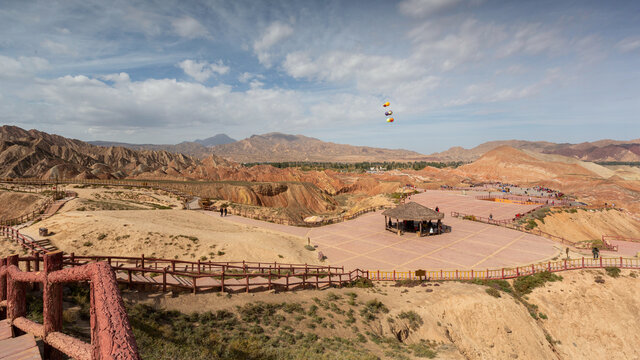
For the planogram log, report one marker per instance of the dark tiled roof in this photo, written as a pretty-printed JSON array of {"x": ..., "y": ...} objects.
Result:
[{"x": 413, "y": 211}]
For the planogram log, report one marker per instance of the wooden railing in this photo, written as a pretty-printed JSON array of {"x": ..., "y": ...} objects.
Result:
[
  {"x": 111, "y": 334},
  {"x": 507, "y": 273}
]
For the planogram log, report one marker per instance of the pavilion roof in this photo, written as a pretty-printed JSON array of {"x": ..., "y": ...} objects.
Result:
[{"x": 413, "y": 211}]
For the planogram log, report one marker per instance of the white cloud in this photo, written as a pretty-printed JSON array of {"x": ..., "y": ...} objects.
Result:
[
  {"x": 120, "y": 78},
  {"x": 58, "y": 48},
  {"x": 201, "y": 71},
  {"x": 189, "y": 27},
  {"x": 629, "y": 44},
  {"x": 533, "y": 39},
  {"x": 273, "y": 34},
  {"x": 246, "y": 76},
  {"x": 420, "y": 8},
  {"x": 23, "y": 66}
]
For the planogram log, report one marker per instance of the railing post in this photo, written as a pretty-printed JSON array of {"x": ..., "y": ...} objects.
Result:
[
  {"x": 164, "y": 279},
  {"x": 601, "y": 262},
  {"x": 246, "y": 278},
  {"x": 52, "y": 301},
  {"x": 394, "y": 275},
  {"x": 142, "y": 261},
  {"x": 502, "y": 277},
  {"x": 16, "y": 294},
  {"x": 3, "y": 289},
  {"x": 583, "y": 262}
]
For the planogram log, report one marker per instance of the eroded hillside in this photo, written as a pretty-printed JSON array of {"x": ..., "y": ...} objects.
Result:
[{"x": 586, "y": 314}]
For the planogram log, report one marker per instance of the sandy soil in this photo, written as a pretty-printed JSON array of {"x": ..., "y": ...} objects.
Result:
[
  {"x": 120, "y": 198},
  {"x": 9, "y": 247},
  {"x": 169, "y": 234},
  {"x": 591, "y": 320},
  {"x": 590, "y": 224},
  {"x": 586, "y": 320},
  {"x": 15, "y": 204}
]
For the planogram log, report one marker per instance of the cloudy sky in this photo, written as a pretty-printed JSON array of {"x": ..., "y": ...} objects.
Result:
[{"x": 457, "y": 73}]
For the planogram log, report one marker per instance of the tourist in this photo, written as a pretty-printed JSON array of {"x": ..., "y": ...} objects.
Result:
[
  {"x": 490, "y": 216},
  {"x": 437, "y": 209},
  {"x": 594, "y": 251},
  {"x": 221, "y": 212},
  {"x": 225, "y": 211}
]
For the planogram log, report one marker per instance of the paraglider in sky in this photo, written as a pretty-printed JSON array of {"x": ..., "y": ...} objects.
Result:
[
  {"x": 388, "y": 113},
  {"x": 390, "y": 120},
  {"x": 386, "y": 104}
]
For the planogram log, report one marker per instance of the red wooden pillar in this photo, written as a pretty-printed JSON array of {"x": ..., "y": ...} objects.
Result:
[
  {"x": 287, "y": 286},
  {"x": 533, "y": 269},
  {"x": 583, "y": 262},
  {"x": 3, "y": 288},
  {"x": 16, "y": 294},
  {"x": 600, "y": 262},
  {"x": 164, "y": 280},
  {"x": 394, "y": 275},
  {"x": 502, "y": 277},
  {"x": 52, "y": 300},
  {"x": 142, "y": 261}
]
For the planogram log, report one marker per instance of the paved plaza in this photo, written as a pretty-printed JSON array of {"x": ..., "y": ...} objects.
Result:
[{"x": 365, "y": 244}]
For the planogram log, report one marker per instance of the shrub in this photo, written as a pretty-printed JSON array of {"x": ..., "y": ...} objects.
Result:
[
  {"x": 612, "y": 271},
  {"x": 423, "y": 349},
  {"x": 87, "y": 243},
  {"x": 102, "y": 236},
  {"x": 333, "y": 297},
  {"x": 371, "y": 309},
  {"x": 524, "y": 285},
  {"x": 531, "y": 223},
  {"x": 360, "y": 283},
  {"x": 493, "y": 292},
  {"x": 496, "y": 284},
  {"x": 415, "y": 321}
]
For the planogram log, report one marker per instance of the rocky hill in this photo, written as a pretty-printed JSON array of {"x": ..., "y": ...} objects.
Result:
[
  {"x": 602, "y": 150},
  {"x": 34, "y": 153},
  {"x": 275, "y": 147},
  {"x": 590, "y": 182}
]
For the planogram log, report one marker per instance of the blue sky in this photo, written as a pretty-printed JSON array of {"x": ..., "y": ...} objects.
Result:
[{"x": 457, "y": 73}]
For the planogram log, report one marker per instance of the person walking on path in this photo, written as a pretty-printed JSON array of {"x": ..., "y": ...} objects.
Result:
[
  {"x": 594, "y": 251},
  {"x": 221, "y": 212},
  {"x": 225, "y": 211}
]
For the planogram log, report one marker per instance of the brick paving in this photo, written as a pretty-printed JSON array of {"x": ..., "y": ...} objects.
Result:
[{"x": 365, "y": 244}]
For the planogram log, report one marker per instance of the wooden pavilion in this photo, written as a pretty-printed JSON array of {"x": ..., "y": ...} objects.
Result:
[{"x": 413, "y": 217}]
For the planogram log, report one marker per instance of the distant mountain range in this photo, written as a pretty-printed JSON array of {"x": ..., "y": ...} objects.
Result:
[
  {"x": 601, "y": 150},
  {"x": 278, "y": 147},
  {"x": 198, "y": 148}
]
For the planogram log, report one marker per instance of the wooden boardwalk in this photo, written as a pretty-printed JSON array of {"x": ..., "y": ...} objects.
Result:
[{"x": 22, "y": 347}]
